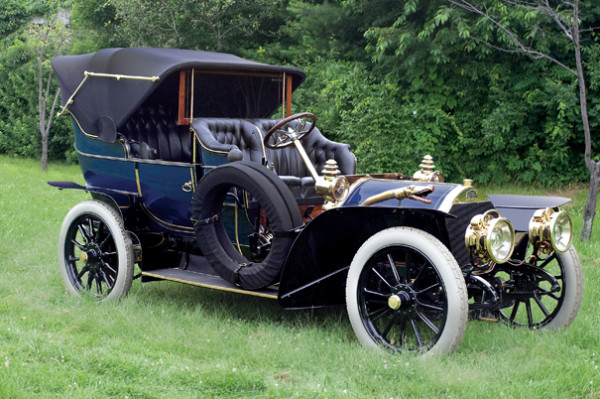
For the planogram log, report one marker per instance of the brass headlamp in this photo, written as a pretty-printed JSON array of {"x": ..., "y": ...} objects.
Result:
[
  {"x": 551, "y": 227},
  {"x": 490, "y": 237}
]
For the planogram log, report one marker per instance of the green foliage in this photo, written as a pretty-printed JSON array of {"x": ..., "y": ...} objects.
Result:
[
  {"x": 516, "y": 118},
  {"x": 386, "y": 132},
  {"x": 95, "y": 26},
  {"x": 221, "y": 25},
  {"x": 19, "y": 133},
  {"x": 314, "y": 31},
  {"x": 19, "y": 126},
  {"x": 13, "y": 13}
]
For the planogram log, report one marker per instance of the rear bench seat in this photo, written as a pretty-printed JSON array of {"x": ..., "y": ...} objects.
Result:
[{"x": 152, "y": 132}]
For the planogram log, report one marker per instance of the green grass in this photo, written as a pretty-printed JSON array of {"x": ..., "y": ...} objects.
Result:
[{"x": 167, "y": 340}]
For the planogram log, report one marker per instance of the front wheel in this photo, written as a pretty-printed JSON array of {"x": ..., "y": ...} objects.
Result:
[
  {"x": 540, "y": 306},
  {"x": 95, "y": 252},
  {"x": 406, "y": 292}
]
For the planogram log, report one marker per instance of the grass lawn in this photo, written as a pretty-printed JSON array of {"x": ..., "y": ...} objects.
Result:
[{"x": 167, "y": 340}]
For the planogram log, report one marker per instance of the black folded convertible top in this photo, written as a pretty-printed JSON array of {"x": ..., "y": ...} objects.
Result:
[{"x": 101, "y": 98}]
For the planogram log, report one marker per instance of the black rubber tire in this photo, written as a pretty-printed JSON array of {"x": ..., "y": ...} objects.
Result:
[{"x": 276, "y": 200}]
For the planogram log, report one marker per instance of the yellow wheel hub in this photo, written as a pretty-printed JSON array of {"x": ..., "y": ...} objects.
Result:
[{"x": 394, "y": 302}]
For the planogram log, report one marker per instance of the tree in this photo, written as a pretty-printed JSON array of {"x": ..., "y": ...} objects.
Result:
[
  {"x": 221, "y": 25},
  {"x": 13, "y": 14},
  {"x": 49, "y": 35},
  {"x": 529, "y": 36},
  {"x": 94, "y": 26}
]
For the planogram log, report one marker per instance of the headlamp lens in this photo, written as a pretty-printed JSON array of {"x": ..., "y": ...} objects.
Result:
[
  {"x": 501, "y": 240},
  {"x": 490, "y": 237},
  {"x": 551, "y": 227},
  {"x": 562, "y": 232},
  {"x": 339, "y": 188}
]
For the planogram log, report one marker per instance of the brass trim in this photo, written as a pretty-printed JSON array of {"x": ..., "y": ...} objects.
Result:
[
  {"x": 192, "y": 91},
  {"x": 460, "y": 195},
  {"x": 138, "y": 160},
  {"x": 120, "y": 76},
  {"x": 63, "y": 109},
  {"x": 357, "y": 183},
  {"x": 204, "y": 147},
  {"x": 187, "y": 187},
  {"x": 153, "y": 216},
  {"x": 81, "y": 128},
  {"x": 398, "y": 193},
  {"x": 137, "y": 180},
  {"x": 236, "y": 290},
  {"x": 87, "y": 74},
  {"x": 83, "y": 257},
  {"x": 262, "y": 143},
  {"x": 394, "y": 302}
]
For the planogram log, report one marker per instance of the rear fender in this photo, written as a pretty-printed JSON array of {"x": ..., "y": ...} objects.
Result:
[
  {"x": 314, "y": 273},
  {"x": 111, "y": 198}
]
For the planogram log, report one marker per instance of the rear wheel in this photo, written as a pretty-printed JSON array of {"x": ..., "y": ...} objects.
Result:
[
  {"x": 95, "y": 252},
  {"x": 539, "y": 305},
  {"x": 405, "y": 292}
]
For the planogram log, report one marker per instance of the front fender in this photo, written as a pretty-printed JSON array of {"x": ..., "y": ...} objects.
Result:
[
  {"x": 520, "y": 208},
  {"x": 314, "y": 273}
]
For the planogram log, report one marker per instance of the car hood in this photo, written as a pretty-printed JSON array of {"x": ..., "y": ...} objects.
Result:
[{"x": 442, "y": 197}]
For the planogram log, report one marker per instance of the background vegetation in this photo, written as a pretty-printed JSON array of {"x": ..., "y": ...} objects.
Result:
[
  {"x": 167, "y": 340},
  {"x": 395, "y": 79}
]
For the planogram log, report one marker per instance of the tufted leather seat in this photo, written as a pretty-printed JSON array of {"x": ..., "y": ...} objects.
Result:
[
  {"x": 221, "y": 135},
  {"x": 288, "y": 162},
  {"x": 152, "y": 132},
  {"x": 291, "y": 169}
]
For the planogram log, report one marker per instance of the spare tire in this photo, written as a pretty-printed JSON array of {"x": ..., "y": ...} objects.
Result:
[{"x": 277, "y": 202}]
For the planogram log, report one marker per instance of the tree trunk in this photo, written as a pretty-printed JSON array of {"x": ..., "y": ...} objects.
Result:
[
  {"x": 589, "y": 211},
  {"x": 593, "y": 167},
  {"x": 44, "y": 153}
]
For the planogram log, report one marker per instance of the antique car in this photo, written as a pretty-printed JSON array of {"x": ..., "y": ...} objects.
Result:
[{"x": 199, "y": 174}]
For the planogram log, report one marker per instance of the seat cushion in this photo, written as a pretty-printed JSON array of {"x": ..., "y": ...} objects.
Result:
[
  {"x": 221, "y": 135},
  {"x": 288, "y": 162},
  {"x": 154, "y": 128}
]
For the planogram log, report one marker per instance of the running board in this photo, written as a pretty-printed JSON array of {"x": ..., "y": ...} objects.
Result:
[{"x": 205, "y": 280}]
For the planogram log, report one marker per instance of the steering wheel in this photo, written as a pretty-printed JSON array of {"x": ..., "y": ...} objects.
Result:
[{"x": 287, "y": 137}]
